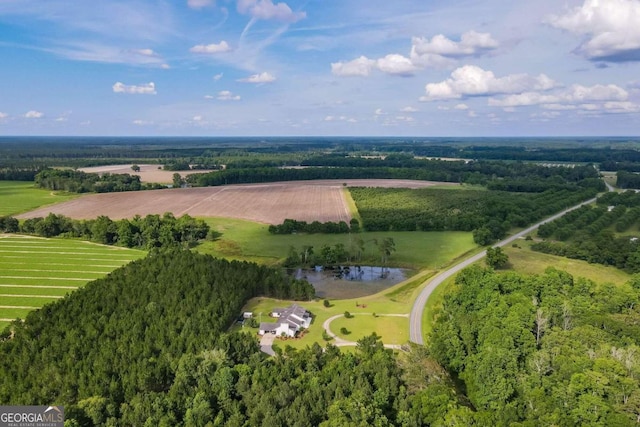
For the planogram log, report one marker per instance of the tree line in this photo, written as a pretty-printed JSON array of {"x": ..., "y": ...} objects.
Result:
[
  {"x": 149, "y": 232},
  {"x": 292, "y": 226},
  {"x": 541, "y": 350},
  {"x": 81, "y": 182}
]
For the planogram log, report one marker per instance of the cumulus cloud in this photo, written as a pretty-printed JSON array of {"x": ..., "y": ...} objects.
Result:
[
  {"x": 409, "y": 110},
  {"x": 226, "y": 95},
  {"x": 143, "y": 89},
  {"x": 217, "y": 76},
  {"x": 267, "y": 10},
  {"x": 144, "y": 52},
  {"x": 396, "y": 65},
  {"x": 576, "y": 94},
  {"x": 199, "y": 4},
  {"x": 212, "y": 48},
  {"x": 358, "y": 67},
  {"x": 33, "y": 114},
  {"x": 142, "y": 122},
  {"x": 259, "y": 78},
  {"x": 471, "y": 80},
  {"x": 471, "y": 43},
  {"x": 3, "y": 115},
  {"x": 611, "y": 28},
  {"x": 438, "y": 51}
]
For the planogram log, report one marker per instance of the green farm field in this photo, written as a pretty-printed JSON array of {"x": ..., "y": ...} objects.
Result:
[
  {"x": 35, "y": 271},
  {"x": 251, "y": 241},
  {"x": 18, "y": 197}
]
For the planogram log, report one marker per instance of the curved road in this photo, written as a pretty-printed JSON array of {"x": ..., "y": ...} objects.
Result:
[{"x": 415, "y": 319}]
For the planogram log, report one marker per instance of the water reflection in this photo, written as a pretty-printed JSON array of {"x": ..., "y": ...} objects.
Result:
[{"x": 351, "y": 281}]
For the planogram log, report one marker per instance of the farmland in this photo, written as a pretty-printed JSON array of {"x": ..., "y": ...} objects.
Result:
[
  {"x": 18, "y": 197},
  {"x": 147, "y": 173},
  {"x": 36, "y": 271},
  {"x": 265, "y": 203}
]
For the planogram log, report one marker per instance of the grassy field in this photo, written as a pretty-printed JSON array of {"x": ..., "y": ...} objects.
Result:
[
  {"x": 251, "y": 241},
  {"x": 18, "y": 197},
  {"x": 524, "y": 260},
  {"x": 35, "y": 271}
]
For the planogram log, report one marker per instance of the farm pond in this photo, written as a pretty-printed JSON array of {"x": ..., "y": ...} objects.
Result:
[{"x": 352, "y": 281}]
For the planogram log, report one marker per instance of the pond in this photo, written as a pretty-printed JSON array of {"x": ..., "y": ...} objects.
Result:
[{"x": 352, "y": 281}]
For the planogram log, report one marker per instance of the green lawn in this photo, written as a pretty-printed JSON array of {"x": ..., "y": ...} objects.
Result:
[
  {"x": 34, "y": 271},
  {"x": 18, "y": 197},
  {"x": 392, "y": 330},
  {"x": 252, "y": 242}
]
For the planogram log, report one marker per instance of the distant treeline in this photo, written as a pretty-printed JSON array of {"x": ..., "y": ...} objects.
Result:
[
  {"x": 291, "y": 226},
  {"x": 149, "y": 232},
  {"x": 18, "y": 174},
  {"x": 81, "y": 182},
  {"x": 399, "y": 167},
  {"x": 628, "y": 179}
]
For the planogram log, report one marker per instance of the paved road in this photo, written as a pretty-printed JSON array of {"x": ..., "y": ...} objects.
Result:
[{"x": 415, "y": 319}]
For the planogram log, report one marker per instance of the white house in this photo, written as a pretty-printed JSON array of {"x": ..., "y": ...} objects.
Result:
[{"x": 289, "y": 321}]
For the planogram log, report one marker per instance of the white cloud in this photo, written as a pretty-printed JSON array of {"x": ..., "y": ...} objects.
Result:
[
  {"x": 471, "y": 44},
  {"x": 143, "y": 89},
  {"x": 471, "y": 80},
  {"x": 218, "y": 76},
  {"x": 199, "y": 4},
  {"x": 259, "y": 78},
  {"x": 33, "y": 114},
  {"x": 144, "y": 52},
  {"x": 358, "y": 67},
  {"x": 461, "y": 107},
  {"x": 3, "y": 115},
  {"x": 621, "y": 107},
  {"x": 611, "y": 28},
  {"x": 379, "y": 112},
  {"x": 396, "y": 64},
  {"x": 142, "y": 122},
  {"x": 576, "y": 94},
  {"x": 212, "y": 48},
  {"x": 409, "y": 110},
  {"x": 266, "y": 10},
  {"x": 197, "y": 118},
  {"x": 226, "y": 95}
]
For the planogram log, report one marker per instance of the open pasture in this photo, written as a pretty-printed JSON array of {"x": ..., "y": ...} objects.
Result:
[
  {"x": 19, "y": 196},
  {"x": 270, "y": 203},
  {"x": 35, "y": 271}
]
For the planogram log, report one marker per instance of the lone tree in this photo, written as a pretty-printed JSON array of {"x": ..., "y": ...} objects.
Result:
[
  {"x": 135, "y": 168},
  {"x": 496, "y": 258},
  {"x": 177, "y": 180}
]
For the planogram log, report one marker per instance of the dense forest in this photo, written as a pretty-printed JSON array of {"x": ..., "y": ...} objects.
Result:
[
  {"x": 81, "y": 182},
  {"x": 542, "y": 350},
  {"x": 150, "y": 232},
  {"x": 151, "y": 333}
]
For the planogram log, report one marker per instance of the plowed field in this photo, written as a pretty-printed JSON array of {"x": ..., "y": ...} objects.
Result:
[{"x": 268, "y": 203}]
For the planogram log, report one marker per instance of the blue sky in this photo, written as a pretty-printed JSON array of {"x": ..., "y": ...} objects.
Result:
[{"x": 332, "y": 67}]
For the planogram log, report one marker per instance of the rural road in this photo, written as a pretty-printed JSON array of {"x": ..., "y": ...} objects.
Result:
[{"x": 415, "y": 319}]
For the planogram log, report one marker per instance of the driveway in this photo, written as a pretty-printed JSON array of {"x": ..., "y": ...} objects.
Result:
[{"x": 266, "y": 342}]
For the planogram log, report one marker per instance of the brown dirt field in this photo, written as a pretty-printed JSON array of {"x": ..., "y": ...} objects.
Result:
[
  {"x": 148, "y": 173},
  {"x": 268, "y": 203}
]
